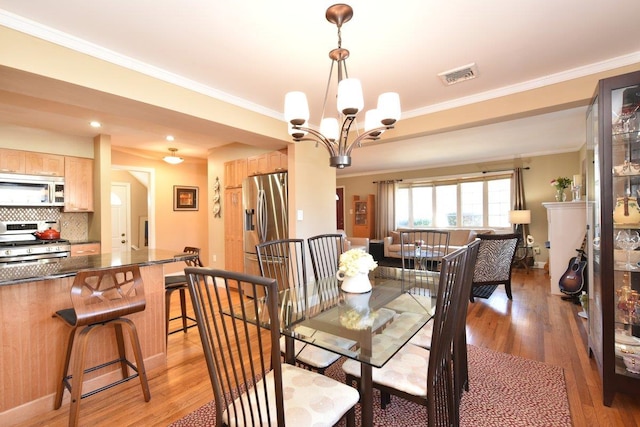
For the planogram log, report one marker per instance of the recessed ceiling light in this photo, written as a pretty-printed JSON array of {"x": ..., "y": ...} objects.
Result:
[
  {"x": 95, "y": 124},
  {"x": 170, "y": 138}
]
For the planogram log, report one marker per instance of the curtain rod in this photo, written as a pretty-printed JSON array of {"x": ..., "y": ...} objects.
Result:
[
  {"x": 389, "y": 181},
  {"x": 505, "y": 170}
]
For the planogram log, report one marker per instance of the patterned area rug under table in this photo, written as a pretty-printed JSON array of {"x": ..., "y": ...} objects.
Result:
[{"x": 504, "y": 391}]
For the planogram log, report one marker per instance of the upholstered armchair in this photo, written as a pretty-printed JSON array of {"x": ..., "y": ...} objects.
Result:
[
  {"x": 354, "y": 242},
  {"x": 494, "y": 262}
]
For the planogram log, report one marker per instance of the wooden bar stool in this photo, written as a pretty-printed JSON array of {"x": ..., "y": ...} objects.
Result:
[
  {"x": 101, "y": 298},
  {"x": 179, "y": 283}
]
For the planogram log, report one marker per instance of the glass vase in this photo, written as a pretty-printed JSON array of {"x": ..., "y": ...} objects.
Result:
[{"x": 561, "y": 196}]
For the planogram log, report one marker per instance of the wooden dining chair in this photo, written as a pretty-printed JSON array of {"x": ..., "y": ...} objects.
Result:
[
  {"x": 424, "y": 336},
  {"x": 251, "y": 385},
  {"x": 495, "y": 261},
  {"x": 426, "y": 376},
  {"x": 325, "y": 251},
  {"x": 284, "y": 261}
]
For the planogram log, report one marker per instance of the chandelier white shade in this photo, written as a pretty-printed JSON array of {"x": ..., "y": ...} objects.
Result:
[
  {"x": 172, "y": 158},
  {"x": 334, "y": 132}
]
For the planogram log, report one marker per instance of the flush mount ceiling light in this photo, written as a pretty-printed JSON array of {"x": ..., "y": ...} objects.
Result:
[
  {"x": 173, "y": 159},
  {"x": 350, "y": 102}
]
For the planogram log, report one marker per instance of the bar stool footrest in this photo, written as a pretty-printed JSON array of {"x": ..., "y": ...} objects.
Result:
[
  {"x": 192, "y": 325},
  {"x": 67, "y": 384}
]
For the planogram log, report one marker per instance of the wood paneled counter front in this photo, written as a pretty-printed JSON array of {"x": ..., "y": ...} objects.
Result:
[{"x": 32, "y": 340}]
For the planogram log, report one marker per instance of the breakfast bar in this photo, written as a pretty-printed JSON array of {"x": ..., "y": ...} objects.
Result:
[{"x": 32, "y": 341}]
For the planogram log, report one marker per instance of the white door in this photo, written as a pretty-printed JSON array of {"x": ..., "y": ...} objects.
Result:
[{"x": 120, "y": 214}]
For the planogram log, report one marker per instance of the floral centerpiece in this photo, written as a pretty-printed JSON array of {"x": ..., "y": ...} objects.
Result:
[
  {"x": 353, "y": 270},
  {"x": 357, "y": 318},
  {"x": 561, "y": 183}
]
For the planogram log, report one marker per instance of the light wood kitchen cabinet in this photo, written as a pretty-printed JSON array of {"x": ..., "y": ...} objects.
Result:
[
  {"x": 81, "y": 249},
  {"x": 78, "y": 184},
  {"x": 274, "y": 161},
  {"x": 233, "y": 239},
  {"x": 234, "y": 172},
  {"x": 12, "y": 161},
  {"x": 44, "y": 164},
  {"x": 257, "y": 165},
  {"x": 277, "y": 161}
]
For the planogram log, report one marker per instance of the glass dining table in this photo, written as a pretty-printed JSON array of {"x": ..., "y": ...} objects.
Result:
[{"x": 327, "y": 317}]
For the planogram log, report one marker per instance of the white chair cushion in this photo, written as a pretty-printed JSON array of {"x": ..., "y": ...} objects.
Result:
[
  {"x": 406, "y": 371},
  {"x": 310, "y": 399},
  {"x": 423, "y": 337},
  {"x": 404, "y": 322},
  {"x": 410, "y": 302},
  {"x": 315, "y": 356}
]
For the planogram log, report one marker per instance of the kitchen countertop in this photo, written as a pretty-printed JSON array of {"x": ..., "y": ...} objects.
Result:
[{"x": 22, "y": 273}]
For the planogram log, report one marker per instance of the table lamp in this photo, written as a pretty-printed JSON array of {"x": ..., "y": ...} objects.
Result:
[{"x": 519, "y": 218}]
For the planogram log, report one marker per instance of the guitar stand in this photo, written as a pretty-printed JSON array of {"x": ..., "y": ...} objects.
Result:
[{"x": 572, "y": 298}]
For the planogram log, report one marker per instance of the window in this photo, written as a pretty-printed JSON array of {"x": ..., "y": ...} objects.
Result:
[{"x": 455, "y": 203}]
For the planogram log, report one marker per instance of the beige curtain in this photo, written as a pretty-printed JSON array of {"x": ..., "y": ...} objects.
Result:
[
  {"x": 519, "y": 202},
  {"x": 385, "y": 207}
]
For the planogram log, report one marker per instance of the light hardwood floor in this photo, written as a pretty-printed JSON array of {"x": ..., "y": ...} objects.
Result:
[{"x": 535, "y": 325}]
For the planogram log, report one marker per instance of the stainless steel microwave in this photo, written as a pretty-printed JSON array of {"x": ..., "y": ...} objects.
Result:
[{"x": 31, "y": 190}]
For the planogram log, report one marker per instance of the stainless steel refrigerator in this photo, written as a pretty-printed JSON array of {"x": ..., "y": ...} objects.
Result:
[{"x": 264, "y": 204}]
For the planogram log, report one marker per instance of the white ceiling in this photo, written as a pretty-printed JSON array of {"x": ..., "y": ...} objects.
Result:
[{"x": 252, "y": 52}]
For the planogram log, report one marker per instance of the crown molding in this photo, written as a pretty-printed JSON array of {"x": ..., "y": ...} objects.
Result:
[{"x": 43, "y": 32}]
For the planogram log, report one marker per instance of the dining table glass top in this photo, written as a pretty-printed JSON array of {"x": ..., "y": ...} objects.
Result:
[{"x": 369, "y": 327}]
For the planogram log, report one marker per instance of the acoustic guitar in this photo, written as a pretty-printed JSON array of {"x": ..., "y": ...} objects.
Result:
[{"x": 572, "y": 281}]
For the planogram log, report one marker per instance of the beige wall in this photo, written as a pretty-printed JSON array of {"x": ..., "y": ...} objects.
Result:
[
  {"x": 28, "y": 139},
  {"x": 537, "y": 182}
]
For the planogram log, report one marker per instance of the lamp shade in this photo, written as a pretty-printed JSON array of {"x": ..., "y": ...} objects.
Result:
[
  {"x": 329, "y": 128},
  {"x": 296, "y": 108},
  {"x": 389, "y": 107},
  {"x": 520, "y": 217},
  {"x": 350, "y": 98}
]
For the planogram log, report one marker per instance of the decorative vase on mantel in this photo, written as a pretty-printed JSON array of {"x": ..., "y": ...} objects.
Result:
[{"x": 561, "y": 196}]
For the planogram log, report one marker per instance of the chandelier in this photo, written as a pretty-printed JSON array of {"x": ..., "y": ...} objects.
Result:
[{"x": 335, "y": 137}]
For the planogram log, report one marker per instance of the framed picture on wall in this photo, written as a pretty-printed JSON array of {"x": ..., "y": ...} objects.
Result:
[{"x": 185, "y": 198}]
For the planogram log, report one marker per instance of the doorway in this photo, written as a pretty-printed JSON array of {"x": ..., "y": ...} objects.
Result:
[
  {"x": 120, "y": 217},
  {"x": 340, "y": 208},
  {"x": 140, "y": 215}
]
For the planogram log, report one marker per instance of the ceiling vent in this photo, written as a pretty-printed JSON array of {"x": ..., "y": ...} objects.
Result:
[{"x": 459, "y": 74}]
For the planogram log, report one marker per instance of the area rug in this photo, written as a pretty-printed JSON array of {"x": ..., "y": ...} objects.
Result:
[
  {"x": 504, "y": 391},
  {"x": 484, "y": 291}
]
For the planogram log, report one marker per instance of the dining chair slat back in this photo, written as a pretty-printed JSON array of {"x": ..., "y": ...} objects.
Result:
[
  {"x": 441, "y": 402},
  {"x": 325, "y": 251},
  {"x": 243, "y": 356},
  {"x": 460, "y": 360},
  {"x": 421, "y": 253}
]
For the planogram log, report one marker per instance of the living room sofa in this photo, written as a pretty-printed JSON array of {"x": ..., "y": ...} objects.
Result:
[{"x": 458, "y": 237}]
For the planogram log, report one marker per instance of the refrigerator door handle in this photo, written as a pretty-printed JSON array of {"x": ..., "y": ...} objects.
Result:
[{"x": 261, "y": 220}]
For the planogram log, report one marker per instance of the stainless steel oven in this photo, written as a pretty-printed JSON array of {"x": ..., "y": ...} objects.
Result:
[{"x": 19, "y": 244}]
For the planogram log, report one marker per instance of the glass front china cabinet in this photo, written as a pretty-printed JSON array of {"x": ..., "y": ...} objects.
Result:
[{"x": 613, "y": 154}]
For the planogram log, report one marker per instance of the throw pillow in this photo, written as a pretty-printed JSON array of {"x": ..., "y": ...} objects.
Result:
[{"x": 395, "y": 238}]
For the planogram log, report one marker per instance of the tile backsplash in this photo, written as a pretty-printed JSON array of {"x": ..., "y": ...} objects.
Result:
[{"x": 73, "y": 226}]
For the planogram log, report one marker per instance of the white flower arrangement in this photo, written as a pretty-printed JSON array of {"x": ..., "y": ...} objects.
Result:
[{"x": 356, "y": 261}]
